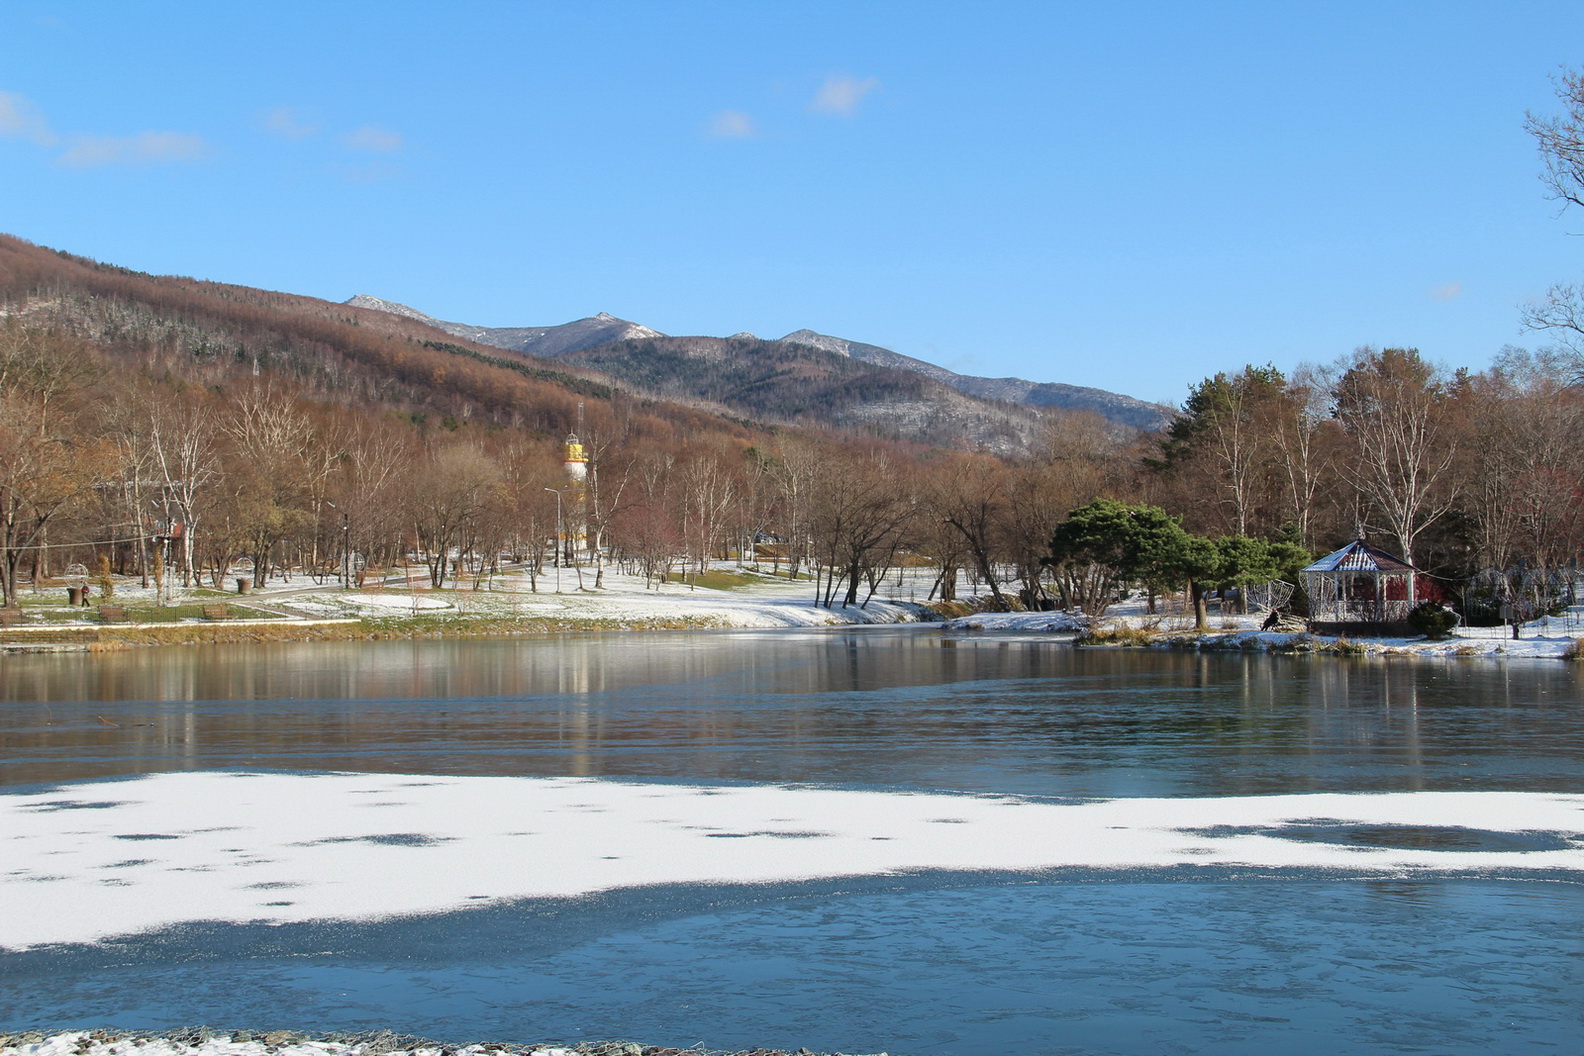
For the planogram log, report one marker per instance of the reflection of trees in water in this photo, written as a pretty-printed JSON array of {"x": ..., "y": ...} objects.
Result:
[{"x": 901, "y": 707}]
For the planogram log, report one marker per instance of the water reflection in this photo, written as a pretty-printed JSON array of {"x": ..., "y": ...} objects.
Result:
[{"x": 895, "y": 707}]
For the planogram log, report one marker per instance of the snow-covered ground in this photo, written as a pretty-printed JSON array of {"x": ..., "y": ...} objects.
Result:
[
  {"x": 1020, "y": 622},
  {"x": 764, "y": 601},
  {"x": 1548, "y": 637},
  {"x": 767, "y": 601},
  {"x": 89, "y": 861},
  {"x": 104, "y": 1043},
  {"x": 201, "y": 1042}
]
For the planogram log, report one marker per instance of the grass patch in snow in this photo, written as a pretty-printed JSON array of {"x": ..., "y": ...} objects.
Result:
[
  {"x": 720, "y": 579},
  {"x": 1117, "y": 634},
  {"x": 53, "y": 613}
]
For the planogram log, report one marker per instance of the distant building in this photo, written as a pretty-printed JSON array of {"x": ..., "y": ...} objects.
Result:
[
  {"x": 574, "y": 459},
  {"x": 1359, "y": 589},
  {"x": 574, "y": 527}
]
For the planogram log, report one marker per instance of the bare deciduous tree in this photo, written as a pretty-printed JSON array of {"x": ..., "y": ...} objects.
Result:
[
  {"x": 41, "y": 473},
  {"x": 970, "y": 496},
  {"x": 452, "y": 494},
  {"x": 1392, "y": 405},
  {"x": 861, "y": 508},
  {"x": 1560, "y": 138}
]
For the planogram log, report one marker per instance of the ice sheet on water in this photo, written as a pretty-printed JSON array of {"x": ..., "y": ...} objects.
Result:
[{"x": 277, "y": 848}]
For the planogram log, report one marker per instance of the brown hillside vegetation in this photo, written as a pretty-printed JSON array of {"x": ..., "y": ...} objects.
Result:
[
  {"x": 207, "y": 332},
  {"x": 783, "y": 381},
  {"x": 171, "y": 427}
]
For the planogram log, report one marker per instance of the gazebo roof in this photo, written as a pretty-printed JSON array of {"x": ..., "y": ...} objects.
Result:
[{"x": 1359, "y": 556}]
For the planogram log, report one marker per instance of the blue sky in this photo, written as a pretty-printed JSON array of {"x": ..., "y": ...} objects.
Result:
[{"x": 1130, "y": 196}]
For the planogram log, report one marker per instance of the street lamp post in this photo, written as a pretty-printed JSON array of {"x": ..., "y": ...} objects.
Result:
[
  {"x": 346, "y": 547},
  {"x": 557, "y": 493}
]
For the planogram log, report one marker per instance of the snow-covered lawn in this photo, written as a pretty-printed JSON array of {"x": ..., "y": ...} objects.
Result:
[
  {"x": 89, "y": 861},
  {"x": 764, "y": 602}
]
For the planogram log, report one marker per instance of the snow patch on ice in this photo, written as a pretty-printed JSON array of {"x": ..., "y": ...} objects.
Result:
[{"x": 282, "y": 848}]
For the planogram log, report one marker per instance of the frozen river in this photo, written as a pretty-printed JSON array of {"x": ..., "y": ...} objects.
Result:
[{"x": 865, "y": 840}]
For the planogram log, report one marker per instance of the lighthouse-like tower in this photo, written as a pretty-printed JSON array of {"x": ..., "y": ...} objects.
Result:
[{"x": 575, "y": 461}]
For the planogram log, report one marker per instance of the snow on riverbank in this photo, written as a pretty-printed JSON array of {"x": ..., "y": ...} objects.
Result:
[
  {"x": 1547, "y": 638},
  {"x": 199, "y": 1042},
  {"x": 1020, "y": 622},
  {"x": 89, "y": 861},
  {"x": 762, "y": 600},
  {"x": 282, "y": 1043},
  {"x": 1550, "y": 637},
  {"x": 1489, "y": 642}
]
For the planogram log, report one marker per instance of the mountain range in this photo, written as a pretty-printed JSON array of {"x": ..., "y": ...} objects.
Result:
[
  {"x": 618, "y": 377},
  {"x": 621, "y": 346}
]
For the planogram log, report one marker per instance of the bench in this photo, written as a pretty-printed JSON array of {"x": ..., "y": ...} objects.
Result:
[
  {"x": 112, "y": 614},
  {"x": 217, "y": 612}
]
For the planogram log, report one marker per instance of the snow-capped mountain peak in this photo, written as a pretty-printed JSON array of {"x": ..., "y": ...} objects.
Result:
[{"x": 379, "y": 304}]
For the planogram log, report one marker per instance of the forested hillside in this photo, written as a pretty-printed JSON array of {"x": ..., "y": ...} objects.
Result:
[
  {"x": 155, "y": 422},
  {"x": 209, "y": 332},
  {"x": 946, "y": 417},
  {"x": 781, "y": 381},
  {"x": 165, "y": 425}
]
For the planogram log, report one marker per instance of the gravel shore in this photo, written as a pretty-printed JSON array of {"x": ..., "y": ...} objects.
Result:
[{"x": 202, "y": 1041}]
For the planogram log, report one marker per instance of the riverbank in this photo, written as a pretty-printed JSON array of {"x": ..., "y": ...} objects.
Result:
[
  {"x": 1128, "y": 625},
  {"x": 200, "y": 1041},
  {"x": 406, "y": 607}
]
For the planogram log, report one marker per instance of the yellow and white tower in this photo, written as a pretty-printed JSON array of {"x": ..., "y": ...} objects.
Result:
[
  {"x": 575, "y": 461},
  {"x": 573, "y": 458}
]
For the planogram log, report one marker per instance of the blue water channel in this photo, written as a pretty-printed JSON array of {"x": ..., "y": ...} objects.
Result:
[{"x": 1165, "y": 961}]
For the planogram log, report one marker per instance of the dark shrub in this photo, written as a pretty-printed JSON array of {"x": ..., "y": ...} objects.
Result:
[{"x": 1432, "y": 619}]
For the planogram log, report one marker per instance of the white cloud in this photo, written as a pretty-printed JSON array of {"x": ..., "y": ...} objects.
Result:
[
  {"x": 146, "y": 148},
  {"x": 20, "y": 119},
  {"x": 287, "y": 123},
  {"x": 841, "y": 94},
  {"x": 374, "y": 138},
  {"x": 1450, "y": 292},
  {"x": 732, "y": 124}
]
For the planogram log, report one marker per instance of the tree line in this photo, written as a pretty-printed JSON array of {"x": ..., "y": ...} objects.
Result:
[{"x": 163, "y": 473}]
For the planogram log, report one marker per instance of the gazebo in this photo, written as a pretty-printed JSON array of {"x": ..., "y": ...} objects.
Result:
[{"x": 1359, "y": 588}]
